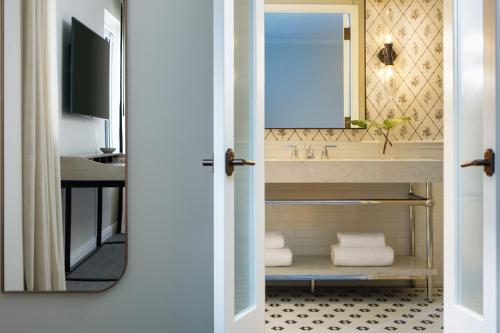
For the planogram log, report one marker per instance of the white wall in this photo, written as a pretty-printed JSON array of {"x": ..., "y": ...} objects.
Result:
[
  {"x": 80, "y": 135},
  {"x": 168, "y": 286}
]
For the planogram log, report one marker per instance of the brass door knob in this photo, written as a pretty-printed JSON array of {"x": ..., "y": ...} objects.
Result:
[
  {"x": 231, "y": 162},
  {"x": 488, "y": 163}
]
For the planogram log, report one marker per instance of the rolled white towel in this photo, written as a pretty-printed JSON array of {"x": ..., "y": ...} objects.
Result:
[
  {"x": 361, "y": 240},
  {"x": 278, "y": 257},
  {"x": 274, "y": 240},
  {"x": 362, "y": 257}
]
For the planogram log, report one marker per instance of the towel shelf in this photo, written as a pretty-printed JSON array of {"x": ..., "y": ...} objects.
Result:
[
  {"x": 319, "y": 268},
  {"x": 314, "y": 268}
]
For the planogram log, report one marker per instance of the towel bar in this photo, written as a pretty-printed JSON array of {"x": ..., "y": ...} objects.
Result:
[{"x": 343, "y": 202}]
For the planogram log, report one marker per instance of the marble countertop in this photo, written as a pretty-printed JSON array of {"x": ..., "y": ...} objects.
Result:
[{"x": 354, "y": 170}]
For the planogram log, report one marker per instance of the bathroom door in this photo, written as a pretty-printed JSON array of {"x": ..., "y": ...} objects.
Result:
[
  {"x": 239, "y": 166},
  {"x": 471, "y": 189}
]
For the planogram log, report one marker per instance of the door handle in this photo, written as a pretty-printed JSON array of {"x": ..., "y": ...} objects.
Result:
[
  {"x": 242, "y": 162},
  {"x": 231, "y": 162},
  {"x": 488, "y": 163}
]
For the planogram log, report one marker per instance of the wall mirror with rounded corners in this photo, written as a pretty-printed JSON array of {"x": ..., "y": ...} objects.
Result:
[
  {"x": 64, "y": 151},
  {"x": 315, "y": 64}
]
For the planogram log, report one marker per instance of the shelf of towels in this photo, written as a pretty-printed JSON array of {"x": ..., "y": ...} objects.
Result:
[
  {"x": 362, "y": 249},
  {"x": 305, "y": 268},
  {"x": 357, "y": 262},
  {"x": 276, "y": 254},
  {"x": 360, "y": 256}
]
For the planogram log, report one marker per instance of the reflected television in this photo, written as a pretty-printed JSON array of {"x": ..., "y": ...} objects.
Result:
[{"x": 90, "y": 73}]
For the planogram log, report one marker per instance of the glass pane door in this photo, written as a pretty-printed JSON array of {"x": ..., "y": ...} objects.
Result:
[
  {"x": 244, "y": 227},
  {"x": 470, "y": 147}
]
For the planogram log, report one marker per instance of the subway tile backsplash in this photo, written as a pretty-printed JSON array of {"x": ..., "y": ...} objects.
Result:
[{"x": 311, "y": 230}]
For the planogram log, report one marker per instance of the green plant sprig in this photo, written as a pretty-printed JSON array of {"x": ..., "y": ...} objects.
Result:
[{"x": 384, "y": 127}]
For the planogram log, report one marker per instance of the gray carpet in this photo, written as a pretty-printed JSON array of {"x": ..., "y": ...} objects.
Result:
[
  {"x": 108, "y": 263},
  {"x": 118, "y": 238},
  {"x": 77, "y": 286}
]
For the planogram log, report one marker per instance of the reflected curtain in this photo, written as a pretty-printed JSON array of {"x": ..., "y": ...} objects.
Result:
[{"x": 42, "y": 214}]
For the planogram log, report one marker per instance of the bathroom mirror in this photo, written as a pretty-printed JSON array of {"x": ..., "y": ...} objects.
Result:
[
  {"x": 315, "y": 65},
  {"x": 65, "y": 151}
]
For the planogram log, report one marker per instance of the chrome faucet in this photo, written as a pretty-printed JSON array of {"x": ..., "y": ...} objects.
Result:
[
  {"x": 309, "y": 153},
  {"x": 295, "y": 152},
  {"x": 324, "y": 154}
]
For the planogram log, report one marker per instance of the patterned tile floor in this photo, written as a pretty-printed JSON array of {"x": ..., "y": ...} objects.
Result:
[{"x": 347, "y": 310}]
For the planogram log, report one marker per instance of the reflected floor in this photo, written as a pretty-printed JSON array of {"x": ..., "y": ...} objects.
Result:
[
  {"x": 102, "y": 269},
  {"x": 353, "y": 310},
  {"x": 82, "y": 286}
]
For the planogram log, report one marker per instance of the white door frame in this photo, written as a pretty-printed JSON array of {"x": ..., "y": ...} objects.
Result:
[{"x": 224, "y": 80}]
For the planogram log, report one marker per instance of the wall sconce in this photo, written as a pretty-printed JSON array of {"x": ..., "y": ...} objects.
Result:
[{"x": 387, "y": 56}]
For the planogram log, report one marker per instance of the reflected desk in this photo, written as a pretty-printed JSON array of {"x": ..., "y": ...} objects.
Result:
[{"x": 91, "y": 171}]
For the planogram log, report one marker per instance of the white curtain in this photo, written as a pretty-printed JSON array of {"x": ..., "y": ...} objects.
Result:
[{"x": 42, "y": 213}]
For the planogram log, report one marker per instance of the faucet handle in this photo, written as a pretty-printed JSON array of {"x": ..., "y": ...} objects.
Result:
[
  {"x": 310, "y": 152},
  {"x": 295, "y": 152},
  {"x": 324, "y": 154}
]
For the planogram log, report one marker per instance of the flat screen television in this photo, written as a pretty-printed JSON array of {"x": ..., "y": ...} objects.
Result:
[{"x": 90, "y": 66}]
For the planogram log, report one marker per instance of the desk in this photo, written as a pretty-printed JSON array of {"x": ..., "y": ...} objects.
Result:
[{"x": 90, "y": 171}]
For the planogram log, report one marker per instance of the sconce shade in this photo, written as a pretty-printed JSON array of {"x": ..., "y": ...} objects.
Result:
[{"x": 387, "y": 55}]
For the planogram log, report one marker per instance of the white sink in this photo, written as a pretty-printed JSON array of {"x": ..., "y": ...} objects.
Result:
[{"x": 354, "y": 170}]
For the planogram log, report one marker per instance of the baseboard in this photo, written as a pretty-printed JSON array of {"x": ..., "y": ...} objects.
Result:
[{"x": 84, "y": 250}]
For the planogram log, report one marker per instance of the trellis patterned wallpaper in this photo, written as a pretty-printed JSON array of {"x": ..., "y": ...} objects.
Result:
[{"x": 417, "y": 27}]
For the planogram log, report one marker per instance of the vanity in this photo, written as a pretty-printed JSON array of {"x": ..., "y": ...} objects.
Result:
[{"x": 358, "y": 168}]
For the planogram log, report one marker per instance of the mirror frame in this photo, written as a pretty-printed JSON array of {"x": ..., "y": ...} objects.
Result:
[
  {"x": 2, "y": 163},
  {"x": 326, "y": 6}
]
